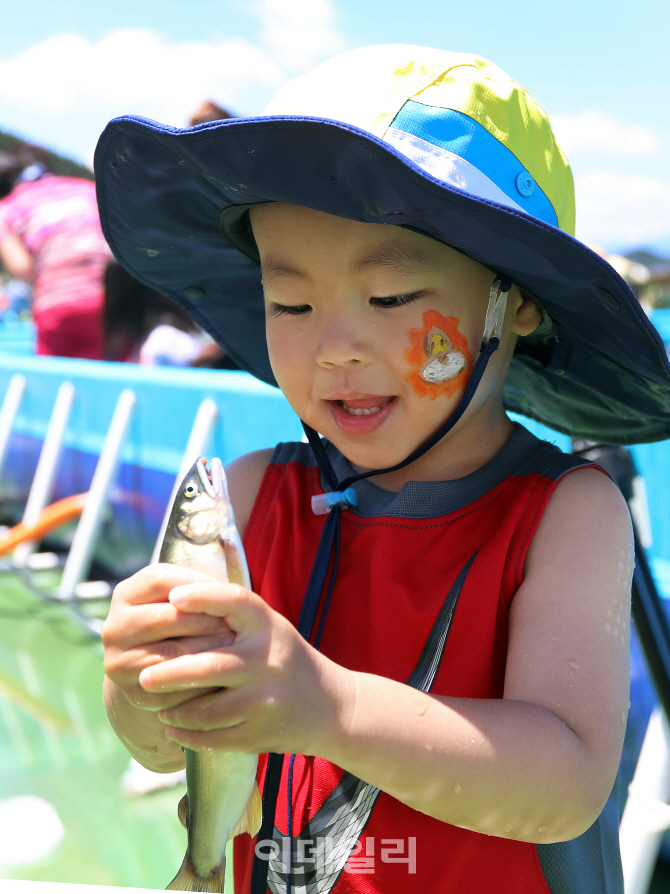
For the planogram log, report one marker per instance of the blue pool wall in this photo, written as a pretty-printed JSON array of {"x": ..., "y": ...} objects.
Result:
[{"x": 251, "y": 416}]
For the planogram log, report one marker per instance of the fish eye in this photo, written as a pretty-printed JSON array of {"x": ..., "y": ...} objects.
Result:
[{"x": 190, "y": 490}]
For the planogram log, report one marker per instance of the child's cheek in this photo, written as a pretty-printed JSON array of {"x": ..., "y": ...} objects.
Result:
[{"x": 438, "y": 357}]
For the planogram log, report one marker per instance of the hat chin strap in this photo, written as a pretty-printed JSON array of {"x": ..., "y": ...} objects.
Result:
[
  {"x": 491, "y": 340},
  {"x": 338, "y": 499}
]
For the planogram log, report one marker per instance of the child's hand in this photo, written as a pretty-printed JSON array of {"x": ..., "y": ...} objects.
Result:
[
  {"x": 144, "y": 628},
  {"x": 275, "y": 692}
]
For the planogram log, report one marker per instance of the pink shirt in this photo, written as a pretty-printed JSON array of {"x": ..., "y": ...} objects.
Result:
[{"x": 57, "y": 220}]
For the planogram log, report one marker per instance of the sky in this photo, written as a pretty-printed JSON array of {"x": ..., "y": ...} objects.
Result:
[{"x": 599, "y": 68}]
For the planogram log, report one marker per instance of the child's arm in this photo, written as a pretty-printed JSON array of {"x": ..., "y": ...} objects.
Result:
[
  {"x": 16, "y": 258},
  {"x": 540, "y": 764},
  {"x": 143, "y": 628},
  {"x": 537, "y": 765}
]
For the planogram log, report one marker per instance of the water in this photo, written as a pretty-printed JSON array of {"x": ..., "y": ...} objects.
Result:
[{"x": 73, "y": 776}]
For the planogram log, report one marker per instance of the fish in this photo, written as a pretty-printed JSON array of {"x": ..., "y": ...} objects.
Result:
[{"x": 222, "y": 798}]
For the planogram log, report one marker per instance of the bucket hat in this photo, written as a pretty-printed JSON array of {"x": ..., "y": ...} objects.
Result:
[{"x": 443, "y": 143}]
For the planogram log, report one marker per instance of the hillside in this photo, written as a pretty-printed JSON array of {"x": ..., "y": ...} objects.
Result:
[
  {"x": 57, "y": 163},
  {"x": 658, "y": 264}
]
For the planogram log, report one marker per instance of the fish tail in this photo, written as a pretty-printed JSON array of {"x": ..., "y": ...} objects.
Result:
[{"x": 187, "y": 879}]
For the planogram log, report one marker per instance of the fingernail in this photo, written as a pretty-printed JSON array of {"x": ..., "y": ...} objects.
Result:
[{"x": 179, "y": 595}]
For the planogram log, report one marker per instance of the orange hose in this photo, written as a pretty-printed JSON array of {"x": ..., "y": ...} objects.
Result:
[{"x": 50, "y": 518}]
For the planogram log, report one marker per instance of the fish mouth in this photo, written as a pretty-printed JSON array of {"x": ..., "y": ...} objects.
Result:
[{"x": 212, "y": 479}]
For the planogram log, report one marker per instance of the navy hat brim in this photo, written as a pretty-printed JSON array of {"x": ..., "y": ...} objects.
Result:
[{"x": 601, "y": 373}]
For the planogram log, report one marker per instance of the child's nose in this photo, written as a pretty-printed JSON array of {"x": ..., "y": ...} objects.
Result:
[{"x": 343, "y": 344}]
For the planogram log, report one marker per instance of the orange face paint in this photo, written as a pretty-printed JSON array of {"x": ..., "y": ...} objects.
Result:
[{"x": 438, "y": 357}]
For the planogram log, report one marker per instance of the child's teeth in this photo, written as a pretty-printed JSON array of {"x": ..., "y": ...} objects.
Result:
[{"x": 361, "y": 411}]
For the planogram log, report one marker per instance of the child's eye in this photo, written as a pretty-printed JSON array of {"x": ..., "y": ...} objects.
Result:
[
  {"x": 395, "y": 300},
  {"x": 295, "y": 310}
]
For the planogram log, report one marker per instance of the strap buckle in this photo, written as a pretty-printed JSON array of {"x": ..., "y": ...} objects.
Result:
[
  {"x": 495, "y": 312},
  {"x": 323, "y": 503}
]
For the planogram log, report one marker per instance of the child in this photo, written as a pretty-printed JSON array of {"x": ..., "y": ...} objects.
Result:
[{"x": 451, "y": 694}]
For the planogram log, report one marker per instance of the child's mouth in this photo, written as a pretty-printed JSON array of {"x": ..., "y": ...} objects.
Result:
[{"x": 362, "y": 414}]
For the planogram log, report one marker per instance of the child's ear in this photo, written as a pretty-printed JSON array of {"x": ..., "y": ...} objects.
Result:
[{"x": 527, "y": 317}]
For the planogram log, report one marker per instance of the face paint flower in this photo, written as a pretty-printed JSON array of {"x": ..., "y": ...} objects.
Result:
[{"x": 438, "y": 356}]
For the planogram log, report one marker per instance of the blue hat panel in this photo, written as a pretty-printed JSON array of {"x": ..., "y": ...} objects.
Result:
[{"x": 457, "y": 135}]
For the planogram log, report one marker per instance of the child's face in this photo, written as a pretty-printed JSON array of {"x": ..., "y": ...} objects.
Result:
[{"x": 372, "y": 330}]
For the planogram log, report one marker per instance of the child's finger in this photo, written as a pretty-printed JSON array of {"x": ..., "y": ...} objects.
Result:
[
  {"x": 171, "y": 649},
  {"x": 242, "y": 736},
  {"x": 157, "y": 621},
  {"x": 154, "y": 702},
  {"x": 215, "y": 710},
  {"x": 230, "y": 720},
  {"x": 124, "y": 668},
  {"x": 153, "y": 583},
  {"x": 241, "y": 608},
  {"x": 219, "y": 667}
]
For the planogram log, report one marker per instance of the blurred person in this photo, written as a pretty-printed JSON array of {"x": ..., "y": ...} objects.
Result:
[
  {"x": 168, "y": 345},
  {"x": 50, "y": 237},
  {"x": 143, "y": 326},
  {"x": 209, "y": 111}
]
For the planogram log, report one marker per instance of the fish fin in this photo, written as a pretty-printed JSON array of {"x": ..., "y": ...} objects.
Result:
[
  {"x": 238, "y": 572},
  {"x": 251, "y": 818},
  {"x": 182, "y": 811},
  {"x": 187, "y": 879}
]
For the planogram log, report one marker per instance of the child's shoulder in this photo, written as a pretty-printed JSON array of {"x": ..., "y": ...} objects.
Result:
[
  {"x": 245, "y": 475},
  {"x": 586, "y": 530},
  {"x": 589, "y": 499}
]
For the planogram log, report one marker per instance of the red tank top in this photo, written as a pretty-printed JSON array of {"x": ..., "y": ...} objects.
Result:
[{"x": 422, "y": 596}]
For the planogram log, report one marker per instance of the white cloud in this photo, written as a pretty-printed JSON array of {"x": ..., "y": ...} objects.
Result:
[
  {"x": 596, "y": 132},
  {"x": 299, "y": 33},
  {"x": 142, "y": 72},
  {"x": 134, "y": 70},
  {"x": 622, "y": 210}
]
